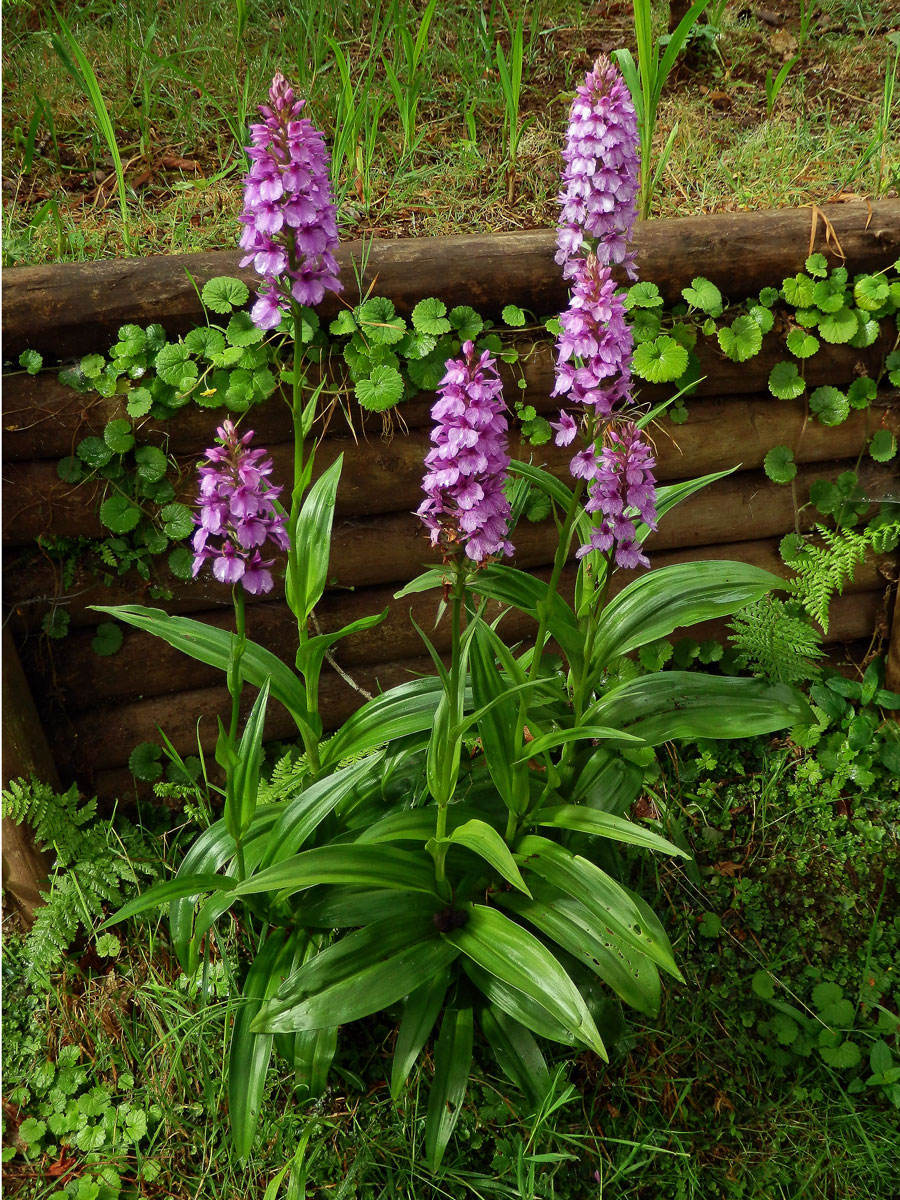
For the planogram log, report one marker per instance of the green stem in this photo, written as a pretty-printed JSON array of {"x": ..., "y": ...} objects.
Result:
[
  {"x": 235, "y": 686},
  {"x": 456, "y": 611},
  {"x": 559, "y": 562}
]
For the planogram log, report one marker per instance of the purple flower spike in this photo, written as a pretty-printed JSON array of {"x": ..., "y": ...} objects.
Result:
[
  {"x": 623, "y": 490},
  {"x": 237, "y": 516},
  {"x": 602, "y": 172},
  {"x": 468, "y": 464},
  {"x": 290, "y": 226},
  {"x": 595, "y": 347}
]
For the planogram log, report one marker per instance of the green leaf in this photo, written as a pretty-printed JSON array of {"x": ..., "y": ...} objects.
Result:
[
  {"x": 213, "y": 647},
  {"x": 172, "y": 889},
  {"x": 612, "y": 907},
  {"x": 870, "y": 292},
  {"x": 704, "y": 295},
  {"x": 817, "y": 265},
  {"x": 407, "y": 709},
  {"x": 801, "y": 344},
  {"x": 678, "y": 704},
  {"x": 741, "y": 340},
  {"x": 94, "y": 452},
  {"x": 139, "y": 403},
  {"x": 31, "y": 361},
  {"x": 830, "y": 405},
  {"x": 362, "y": 973},
  {"x": 482, "y": 839},
  {"x": 249, "y": 1053},
  {"x": 379, "y": 323},
  {"x": 643, "y": 295},
  {"x": 70, "y": 469},
  {"x": 603, "y": 824},
  {"x": 92, "y": 366},
  {"x": 498, "y": 726},
  {"x": 466, "y": 321},
  {"x": 313, "y": 541},
  {"x": 108, "y": 639},
  {"x": 779, "y": 464},
  {"x": 828, "y": 296},
  {"x": 178, "y": 522},
  {"x": 660, "y": 601},
  {"x": 838, "y": 327},
  {"x": 517, "y": 1054},
  {"x": 419, "y": 1015},
  {"x": 769, "y": 296},
  {"x": 452, "y": 1064},
  {"x": 241, "y": 331},
  {"x": 785, "y": 381},
  {"x": 206, "y": 342},
  {"x": 381, "y": 390},
  {"x": 119, "y": 514},
  {"x": 763, "y": 317},
  {"x": 507, "y": 951},
  {"x": 843, "y": 1056},
  {"x": 660, "y": 361},
  {"x": 55, "y": 623},
  {"x": 223, "y": 293},
  {"x": 359, "y": 864},
  {"x": 798, "y": 290},
  {"x": 513, "y": 315},
  {"x": 118, "y": 435},
  {"x": 144, "y": 762},
  {"x": 243, "y": 782},
  {"x": 345, "y": 323},
  {"x": 630, "y": 974},
  {"x": 883, "y": 445},
  {"x": 181, "y": 563},
  {"x": 861, "y": 392},
  {"x": 645, "y": 325},
  {"x": 152, "y": 464}
]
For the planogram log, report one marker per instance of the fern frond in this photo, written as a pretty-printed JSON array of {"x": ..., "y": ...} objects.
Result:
[
  {"x": 773, "y": 643},
  {"x": 823, "y": 570},
  {"x": 55, "y": 818}
]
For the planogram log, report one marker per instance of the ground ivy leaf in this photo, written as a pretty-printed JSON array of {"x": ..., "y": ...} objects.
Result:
[
  {"x": 741, "y": 340},
  {"x": 118, "y": 435},
  {"x": 798, "y": 290},
  {"x": 830, "y": 405},
  {"x": 763, "y": 317},
  {"x": 430, "y": 317},
  {"x": 381, "y": 390},
  {"x": 801, "y": 344},
  {"x": 779, "y": 464},
  {"x": 513, "y": 316},
  {"x": 817, "y": 265},
  {"x": 660, "y": 361},
  {"x": 883, "y": 445},
  {"x": 31, "y": 361},
  {"x": 205, "y": 341},
  {"x": 119, "y": 514},
  {"x": 139, "y": 402},
  {"x": 108, "y": 638},
  {"x": 70, "y": 469},
  {"x": 785, "y": 381},
  {"x": 379, "y": 322},
  {"x": 94, "y": 452},
  {"x": 223, "y": 293},
  {"x": 704, "y": 295},
  {"x": 870, "y": 292},
  {"x": 838, "y": 327},
  {"x": 144, "y": 762},
  {"x": 643, "y": 295},
  {"x": 151, "y": 463},
  {"x": 861, "y": 391},
  {"x": 466, "y": 321}
]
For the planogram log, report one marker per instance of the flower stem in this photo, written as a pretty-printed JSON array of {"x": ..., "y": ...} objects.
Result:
[{"x": 562, "y": 554}]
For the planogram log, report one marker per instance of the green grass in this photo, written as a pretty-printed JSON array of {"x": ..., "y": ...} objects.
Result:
[{"x": 180, "y": 86}]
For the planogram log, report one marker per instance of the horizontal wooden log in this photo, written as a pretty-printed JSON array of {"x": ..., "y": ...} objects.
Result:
[
  {"x": 43, "y": 418},
  {"x": 393, "y": 549},
  {"x": 386, "y": 476},
  {"x": 146, "y": 666},
  {"x": 101, "y": 739},
  {"x": 66, "y": 308}
]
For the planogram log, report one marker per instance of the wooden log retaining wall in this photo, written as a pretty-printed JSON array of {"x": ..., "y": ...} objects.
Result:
[{"x": 97, "y": 709}]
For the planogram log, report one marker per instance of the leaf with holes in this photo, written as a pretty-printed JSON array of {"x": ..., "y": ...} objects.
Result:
[{"x": 786, "y": 382}]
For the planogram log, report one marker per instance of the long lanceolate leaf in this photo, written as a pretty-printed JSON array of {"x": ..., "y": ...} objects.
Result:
[
  {"x": 362, "y": 973},
  {"x": 452, "y": 1064},
  {"x": 249, "y": 1054},
  {"x": 531, "y": 596},
  {"x": 213, "y": 647},
  {"x": 243, "y": 782},
  {"x": 361, "y": 865},
  {"x": 503, "y": 948},
  {"x": 420, "y": 1012},
  {"x": 677, "y": 704},
  {"x": 402, "y": 710},
  {"x": 308, "y": 569},
  {"x": 603, "y": 824},
  {"x": 610, "y": 905},
  {"x": 669, "y": 597},
  {"x": 517, "y": 1053}
]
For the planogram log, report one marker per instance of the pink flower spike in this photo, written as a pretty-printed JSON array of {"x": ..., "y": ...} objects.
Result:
[{"x": 565, "y": 429}]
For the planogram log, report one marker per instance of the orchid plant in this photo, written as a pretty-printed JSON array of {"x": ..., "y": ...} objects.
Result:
[{"x": 449, "y": 853}]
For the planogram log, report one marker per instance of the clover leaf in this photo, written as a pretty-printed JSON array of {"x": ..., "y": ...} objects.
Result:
[
  {"x": 430, "y": 317},
  {"x": 779, "y": 464},
  {"x": 223, "y": 293},
  {"x": 660, "y": 361},
  {"x": 786, "y": 382}
]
